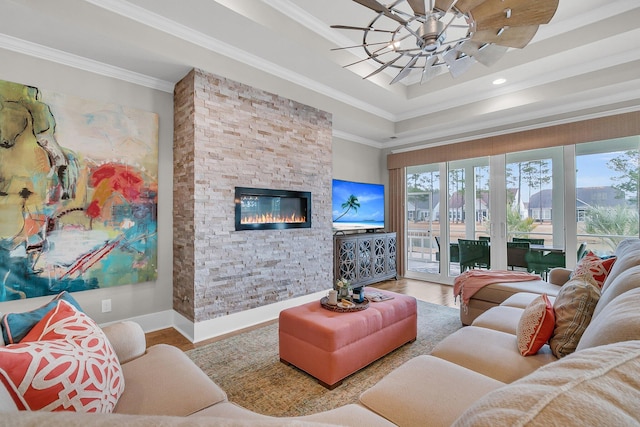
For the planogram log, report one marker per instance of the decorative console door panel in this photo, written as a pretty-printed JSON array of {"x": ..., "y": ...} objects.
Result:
[{"x": 363, "y": 259}]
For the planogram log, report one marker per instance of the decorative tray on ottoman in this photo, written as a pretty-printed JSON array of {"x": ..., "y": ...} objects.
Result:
[{"x": 355, "y": 306}]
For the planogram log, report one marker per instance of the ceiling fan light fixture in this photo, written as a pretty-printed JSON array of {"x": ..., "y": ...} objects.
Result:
[{"x": 431, "y": 34}]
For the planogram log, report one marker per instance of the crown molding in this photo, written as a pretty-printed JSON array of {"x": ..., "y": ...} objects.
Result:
[
  {"x": 168, "y": 26},
  {"x": 82, "y": 63},
  {"x": 355, "y": 138}
]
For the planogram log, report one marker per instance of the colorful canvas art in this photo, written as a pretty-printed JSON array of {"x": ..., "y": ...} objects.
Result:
[{"x": 78, "y": 193}]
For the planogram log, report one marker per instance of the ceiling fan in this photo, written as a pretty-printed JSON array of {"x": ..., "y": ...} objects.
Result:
[{"x": 428, "y": 35}]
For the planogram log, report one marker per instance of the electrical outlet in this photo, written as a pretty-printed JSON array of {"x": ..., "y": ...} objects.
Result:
[{"x": 106, "y": 305}]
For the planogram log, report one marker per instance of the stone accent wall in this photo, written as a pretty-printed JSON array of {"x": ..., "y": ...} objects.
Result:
[{"x": 229, "y": 135}]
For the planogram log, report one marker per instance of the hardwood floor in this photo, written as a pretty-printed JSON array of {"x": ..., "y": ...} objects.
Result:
[{"x": 425, "y": 291}]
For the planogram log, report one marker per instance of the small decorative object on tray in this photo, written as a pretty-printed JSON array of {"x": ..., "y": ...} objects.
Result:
[
  {"x": 343, "y": 287},
  {"x": 377, "y": 296},
  {"x": 344, "y": 305}
]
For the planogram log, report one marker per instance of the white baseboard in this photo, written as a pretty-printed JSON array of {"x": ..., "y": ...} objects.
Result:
[{"x": 196, "y": 332}]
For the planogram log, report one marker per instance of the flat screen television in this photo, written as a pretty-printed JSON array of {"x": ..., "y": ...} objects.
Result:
[{"x": 357, "y": 206}]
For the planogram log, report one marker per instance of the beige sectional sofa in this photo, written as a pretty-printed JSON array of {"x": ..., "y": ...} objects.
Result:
[
  {"x": 474, "y": 377},
  {"x": 496, "y": 293}
]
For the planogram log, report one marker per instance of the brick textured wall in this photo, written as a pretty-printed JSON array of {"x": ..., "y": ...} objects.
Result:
[{"x": 229, "y": 135}]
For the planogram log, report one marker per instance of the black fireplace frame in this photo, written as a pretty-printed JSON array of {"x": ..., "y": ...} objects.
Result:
[{"x": 248, "y": 191}]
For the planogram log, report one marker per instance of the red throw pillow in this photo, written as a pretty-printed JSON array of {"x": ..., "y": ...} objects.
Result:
[
  {"x": 591, "y": 265},
  {"x": 65, "y": 363},
  {"x": 536, "y": 325}
]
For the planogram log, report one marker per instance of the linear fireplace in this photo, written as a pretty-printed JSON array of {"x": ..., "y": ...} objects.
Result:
[{"x": 267, "y": 209}]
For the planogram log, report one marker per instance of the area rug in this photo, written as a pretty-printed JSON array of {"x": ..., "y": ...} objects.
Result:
[{"x": 248, "y": 368}]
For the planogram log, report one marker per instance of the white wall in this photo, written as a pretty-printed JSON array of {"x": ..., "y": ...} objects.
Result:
[
  {"x": 129, "y": 300},
  {"x": 358, "y": 162}
]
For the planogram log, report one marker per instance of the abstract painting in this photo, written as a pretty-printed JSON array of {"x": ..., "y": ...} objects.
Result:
[{"x": 78, "y": 193}]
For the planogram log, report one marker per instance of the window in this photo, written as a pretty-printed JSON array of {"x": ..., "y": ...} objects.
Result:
[{"x": 607, "y": 193}]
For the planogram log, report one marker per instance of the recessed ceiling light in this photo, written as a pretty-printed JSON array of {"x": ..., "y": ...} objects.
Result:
[{"x": 499, "y": 81}]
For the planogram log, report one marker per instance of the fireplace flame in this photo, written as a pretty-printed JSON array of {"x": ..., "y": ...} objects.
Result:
[{"x": 270, "y": 218}]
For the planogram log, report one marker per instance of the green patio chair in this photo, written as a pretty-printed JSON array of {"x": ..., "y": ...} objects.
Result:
[
  {"x": 474, "y": 253},
  {"x": 541, "y": 263},
  {"x": 516, "y": 254},
  {"x": 531, "y": 241},
  {"x": 454, "y": 253}
]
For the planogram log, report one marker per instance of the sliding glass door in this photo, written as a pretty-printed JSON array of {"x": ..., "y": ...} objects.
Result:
[
  {"x": 567, "y": 199},
  {"x": 535, "y": 196},
  {"x": 439, "y": 212},
  {"x": 423, "y": 219}
]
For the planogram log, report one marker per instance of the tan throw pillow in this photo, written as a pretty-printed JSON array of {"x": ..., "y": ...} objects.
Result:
[
  {"x": 573, "y": 309},
  {"x": 535, "y": 326}
]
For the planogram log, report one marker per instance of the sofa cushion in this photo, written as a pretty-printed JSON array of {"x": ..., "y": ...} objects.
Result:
[
  {"x": 427, "y": 388},
  {"x": 347, "y": 415},
  {"x": 535, "y": 326},
  {"x": 127, "y": 339},
  {"x": 627, "y": 245},
  {"x": 594, "y": 267},
  {"x": 500, "y": 318},
  {"x": 630, "y": 259},
  {"x": 625, "y": 281},
  {"x": 596, "y": 387},
  {"x": 479, "y": 349},
  {"x": 573, "y": 308},
  {"x": 64, "y": 363},
  {"x": 16, "y": 325},
  {"x": 63, "y": 419},
  {"x": 166, "y": 382},
  {"x": 498, "y": 292},
  {"x": 618, "y": 321},
  {"x": 523, "y": 299}
]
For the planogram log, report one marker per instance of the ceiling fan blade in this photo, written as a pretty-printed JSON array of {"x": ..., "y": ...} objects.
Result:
[
  {"x": 457, "y": 65},
  {"x": 406, "y": 70},
  {"x": 375, "y": 54},
  {"x": 444, "y": 5},
  {"x": 385, "y": 65},
  {"x": 513, "y": 13},
  {"x": 429, "y": 71},
  {"x": 418, "y": 7},
  {"x": 380, "y": 8},
  {"x": 349, "y": 27},
  {"x": 487, "y": 54},
  {"x": 360, "y": 46},
  {"x": 517, "y": 37},
  {"x": 465, "y": 6}
]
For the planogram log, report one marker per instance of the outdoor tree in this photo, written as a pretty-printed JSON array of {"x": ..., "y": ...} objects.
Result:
[
  {"x": 514, "y": 180},
  {"x": 626, "y": 165},
  {"x": 456, "y": 189},
  {"x": 536, "y": 174},
  {"x": 482, "y": 190},
  {"x": 416, "y": 187}
]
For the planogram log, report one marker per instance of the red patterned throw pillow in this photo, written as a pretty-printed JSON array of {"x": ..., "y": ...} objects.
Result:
[
  {"x": 535, "y": 326},
  {"x": 65, "y": 363},
  {"x": 592, "y": 266}
]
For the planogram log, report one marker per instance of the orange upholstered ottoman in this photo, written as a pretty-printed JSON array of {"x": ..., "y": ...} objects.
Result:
[{"x": 331, "y": 346}]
